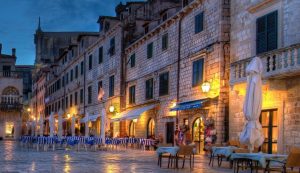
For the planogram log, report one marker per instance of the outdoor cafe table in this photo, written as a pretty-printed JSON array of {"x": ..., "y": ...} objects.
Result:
[
  {"x": 225, "y": 151},
  {"x": 261, "y": 158},
  {"x": 172, "y": 150}
]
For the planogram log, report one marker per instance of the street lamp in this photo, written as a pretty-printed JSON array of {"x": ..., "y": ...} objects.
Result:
[
  {"x": 205, "y": 87},
  {"x": 111, "y": 109},
  {"x": 135, "y": 120}
]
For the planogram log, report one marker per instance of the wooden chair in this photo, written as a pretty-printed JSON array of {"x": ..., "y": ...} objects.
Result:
[
  {"x": 212, "y": 156},
  {"x": 185, "y": 152},
  {"x": 288, "y": 165}
]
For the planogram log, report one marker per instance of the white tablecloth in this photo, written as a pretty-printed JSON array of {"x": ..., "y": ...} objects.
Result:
[{"x": 172, "y": 150}]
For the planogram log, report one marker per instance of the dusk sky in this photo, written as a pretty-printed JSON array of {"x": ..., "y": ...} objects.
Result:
[{"x": 19, "y": 19}]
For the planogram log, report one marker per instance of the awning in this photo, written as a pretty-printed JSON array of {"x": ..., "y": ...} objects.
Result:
[
  {"x": 189, "y": 105},
  {"x": 133, "y": 113},
  {"x": 91, "y": 118}
]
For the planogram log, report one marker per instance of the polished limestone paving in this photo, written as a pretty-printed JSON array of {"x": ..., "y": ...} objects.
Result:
[{"x": 13, "y": 158}]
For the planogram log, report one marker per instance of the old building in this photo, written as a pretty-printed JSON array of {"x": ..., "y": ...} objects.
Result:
[
  {"x": 167, "y": 68},
  {"x": 11, "y": 91},
  {"x": 269, "y": 30}
]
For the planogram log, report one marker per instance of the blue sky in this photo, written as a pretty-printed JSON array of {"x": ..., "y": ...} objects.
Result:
[{"x": 19, "y": 18}]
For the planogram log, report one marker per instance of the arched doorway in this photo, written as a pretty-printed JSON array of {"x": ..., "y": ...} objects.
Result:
[
  {"x": 132, "y": 129},
  {"x": 151, "y": 128},
  {"x": 198, "y": 134}
]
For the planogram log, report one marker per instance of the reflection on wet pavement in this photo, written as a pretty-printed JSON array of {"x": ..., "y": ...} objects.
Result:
[{"x": 13, "y": 158}]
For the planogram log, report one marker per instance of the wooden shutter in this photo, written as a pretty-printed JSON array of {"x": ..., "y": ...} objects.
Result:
[
  {"x": 150, "y": 50},
  {"x": 272, "y": 31},
  {"x": 261, "y": 34},
  {"x": 132, "y": 60},
  {"x": 199, "y": 23}
]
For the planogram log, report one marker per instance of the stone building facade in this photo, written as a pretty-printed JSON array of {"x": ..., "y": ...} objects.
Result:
[
  {"x": 269, "y": 30},
  {"x": 11, "y": 91},
  {"x": 190, "y": 40}
]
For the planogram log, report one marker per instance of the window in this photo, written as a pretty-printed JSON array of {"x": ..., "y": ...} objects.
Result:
[
  {"x": 112, "y": 46},
  {"x": 67, "y": 78},
  {"x": 150, "y": 50},
  {"x": 81, "y": 96},
  {"x": 132, "y": 60},
  {"x": 76, "y": 71},
  {"x": 164, "y": 44},
  {"x": 100, "y": 58},
  {"x": 66, "y": 102},
  {"x": 89, "y": 94},
  {"x": 149, "y": 89},
  {"x": 146, "y": 29},
  {"x": 199, "y": 22},
  {"x": 164, "y": 84},
  {"x": 81, "y": 67},
  {"x": 185, "y": 3},
  {"x": 82, "y": 43},
  {"x": 266, "y": 32},
  {"x": 90, "y": 62},
  {"x": 76, "y": 98},
  {"x": 99, "y": 86},
  {"x": 198, "y": 72},
  {"x": 62, "y": 103},
  {"x": 165, "y": 17},
  {"x": 71, "y": 100},
  {"x": 71, "y": 75},
  {"x": 111, "y": 86},
  {"x": 131, "y": 94}
]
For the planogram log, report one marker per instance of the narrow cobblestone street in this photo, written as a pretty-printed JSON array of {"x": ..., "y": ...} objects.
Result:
[{"x": 16, "y": 159}]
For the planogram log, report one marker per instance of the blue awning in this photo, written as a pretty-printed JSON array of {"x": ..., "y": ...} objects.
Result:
[{"x": 189, "y": 105}]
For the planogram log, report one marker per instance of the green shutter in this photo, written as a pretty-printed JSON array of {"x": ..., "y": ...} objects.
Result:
[
  {"x": 199, "y": 22},
  {"x": 272, "y": 31},
  {"x": 150, "y": 50},
  {"x": 132, "y": 60},
  {"x": 261, "y": 34}
]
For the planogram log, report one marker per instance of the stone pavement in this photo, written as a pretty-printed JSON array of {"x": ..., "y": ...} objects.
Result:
[{"x": 15, "y": 159}]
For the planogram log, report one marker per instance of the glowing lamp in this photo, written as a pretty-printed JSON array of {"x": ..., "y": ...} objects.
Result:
[
  {"x": 28, "y": 109},
  {"x": 174, "y": 104},
  {"x": 69, "y": 116},
  {"x": 56, "y": 120},
  {"x": 111, "y": 109},
  {"x": 205, "y": 87},
  {"x": 134, "y": 120}
]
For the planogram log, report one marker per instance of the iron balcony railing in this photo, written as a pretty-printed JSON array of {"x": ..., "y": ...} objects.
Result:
[{"x": 278, "y": 63}]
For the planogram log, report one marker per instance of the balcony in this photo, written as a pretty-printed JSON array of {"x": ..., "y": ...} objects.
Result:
[
  {"x": 10, "y": 74},
  {"x": 10, "y": 103},
  {"x": 279, "y": 63}
]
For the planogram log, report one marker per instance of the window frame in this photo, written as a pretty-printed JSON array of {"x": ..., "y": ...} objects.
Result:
[
  {"x": 161, "y": 90},
  {"x": 132, "y": 94}
]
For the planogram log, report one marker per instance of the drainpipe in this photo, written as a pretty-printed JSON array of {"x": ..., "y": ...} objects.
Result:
[
  {"x": 178, "y": 69},
  {"x": 84, "y": 82}
]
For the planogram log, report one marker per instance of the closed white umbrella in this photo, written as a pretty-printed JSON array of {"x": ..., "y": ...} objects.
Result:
[
  {"x": 73, "y": 125},
  {"x": 41, "y": 125},
  {"x": 103, "y": 125},
  {"x": 86, "y": 125},
  {"x": 51, "y": 124},
  {"x": 60, "y": 121},
  {"x": 252, "y": 132}
]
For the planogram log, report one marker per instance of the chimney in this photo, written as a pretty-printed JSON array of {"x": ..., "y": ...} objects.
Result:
[
  {"x": 13, "y": 51},
  {"x": 0, "y": 48}
]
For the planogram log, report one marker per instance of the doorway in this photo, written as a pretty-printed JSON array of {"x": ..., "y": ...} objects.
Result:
[
  {"x": 132, "y": 129},
  {"x": 269, "y": 124},
  {"x": 198, "y": 134},
  {"x": 151, "y": 128},
  {"x": 170, "y": 132},
  {"x": 9, "y": 129}
]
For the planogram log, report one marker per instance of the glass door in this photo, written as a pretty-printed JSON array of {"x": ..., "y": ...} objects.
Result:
[{"x": 269, "y": 124}]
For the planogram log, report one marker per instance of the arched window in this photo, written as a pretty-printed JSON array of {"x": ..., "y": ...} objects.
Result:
[
  {"x": 151, "y": 128},
  {"x": 132, "y": 129},
  {"x": 10, "y": 95}
]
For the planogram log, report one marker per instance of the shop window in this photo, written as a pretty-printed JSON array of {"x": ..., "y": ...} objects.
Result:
[
  {"x": 269, "y": 124},
  {"x": 151, "y": 128},
  {"x": 132, "y": 129}
]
